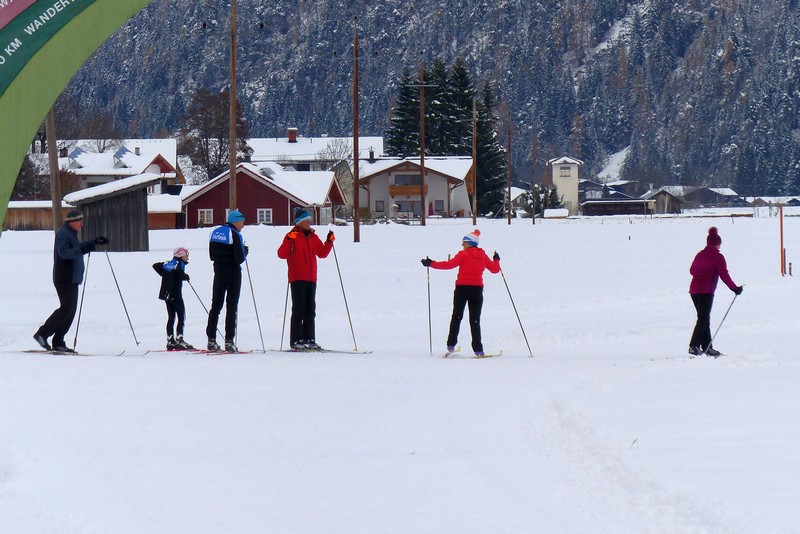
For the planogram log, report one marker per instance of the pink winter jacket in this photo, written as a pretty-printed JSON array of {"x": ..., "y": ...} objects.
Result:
[{"x": 706, "y": 270}]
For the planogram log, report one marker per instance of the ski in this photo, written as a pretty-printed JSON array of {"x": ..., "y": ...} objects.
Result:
[
  {"x": 70, "y": 353},
  {"x": 321, "y": 351},
  {"x": 488, "y": 355},
  {"x": 452, "y": 355},
  {"x": 450, "y": 352},
  {"x": 221, "y": 352}
]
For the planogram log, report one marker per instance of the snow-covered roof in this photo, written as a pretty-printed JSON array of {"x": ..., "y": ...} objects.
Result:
[
  {"x": 164, "y": 204},
  {"x": 29, "y": 204},
  {"x": 456, "y": 167},
  {"x": 653, "y": 192},
  {"x": 119, "y": 159},
  {"x": 309, "y": 188},
  {"x": 565, "y": 160},
  {"x": 516, "y": 192},
  {"x": 112, "y": 188},
  {"x": 724, "y": 191},
  {"x": 308, "y": 149}
]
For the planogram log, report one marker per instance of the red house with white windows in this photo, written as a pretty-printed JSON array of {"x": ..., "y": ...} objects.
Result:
[{"x": 266, "y": 194}]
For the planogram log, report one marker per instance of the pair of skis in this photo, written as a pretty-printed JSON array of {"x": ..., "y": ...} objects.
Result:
[
  {"x": 75, "y": 353},
  {"x": 454, "y": 354}
]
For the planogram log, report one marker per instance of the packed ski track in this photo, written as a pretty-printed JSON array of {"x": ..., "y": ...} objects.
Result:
[{"x": 610, "y": 427}]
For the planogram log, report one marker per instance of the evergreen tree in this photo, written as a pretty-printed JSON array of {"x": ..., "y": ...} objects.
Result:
[
  {"x": 402, "y": 137},
  {"x": 492, "y": 163}
]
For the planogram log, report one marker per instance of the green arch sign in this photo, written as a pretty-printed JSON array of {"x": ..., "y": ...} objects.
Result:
[{"x": 42, "y": 45}]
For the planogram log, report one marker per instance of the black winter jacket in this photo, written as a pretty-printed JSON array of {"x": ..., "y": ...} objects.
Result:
[
  {"x": 68, "y": 254},
  {"x": 172, "y": 276}
]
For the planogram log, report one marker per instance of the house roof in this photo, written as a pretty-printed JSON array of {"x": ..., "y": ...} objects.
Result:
[
  {"x": 164, "y": 204},
  {"x": 118, "y": 160},
  {"x": 724, "y": 191},
  {"x": 30, "y": 204},
  {"x": 306, "y": 188},
  {"x": 564, "y": 160},
  {"x": 453, "y": 167},
  {"x": 653, "y": 192},
  {"x": 308, "y": 149},
  {"x": 516, "y": 192},
  {"x": 111, "y": 189}
]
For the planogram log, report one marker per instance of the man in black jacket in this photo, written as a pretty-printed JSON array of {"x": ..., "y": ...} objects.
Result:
[
  {"x": 227, "y": 250},
  {"x": 68, "y": 269}
]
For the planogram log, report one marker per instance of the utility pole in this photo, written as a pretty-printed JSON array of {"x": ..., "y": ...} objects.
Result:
[
  {"x": 356, "y": 215},
  {"x": 508, "y": 192},
  {"x": 474, "y": 176},
  {"x": 52, "y": 156},
  {"x": 233, "y": 96},
  {"x": 422, "y": 146}
]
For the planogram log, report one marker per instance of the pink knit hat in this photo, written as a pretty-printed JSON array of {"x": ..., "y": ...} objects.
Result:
[
  {"x": 180, "y": 252},
  {"x": 713, "y": 238}
]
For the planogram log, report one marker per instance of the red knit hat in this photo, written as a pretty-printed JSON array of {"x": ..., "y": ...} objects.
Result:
[{"x": 713, "y": 238}]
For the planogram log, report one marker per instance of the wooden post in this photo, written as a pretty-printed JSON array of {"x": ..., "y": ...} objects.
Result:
[
  {"x": 52, "y": 157},
  {"x": 356, "y": 216},
  {"x": 783, "y": 250},
  {"x": 508, "y": 192},
  {"x": 232, "y": 177},
  {"x": 422, "y": 147},
  {"x": 474, "y": 176}
]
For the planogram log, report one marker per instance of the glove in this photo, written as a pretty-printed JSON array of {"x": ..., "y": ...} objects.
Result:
[
  {"x": 496, "y": 256},
  {"x": 246, "y": 250},
  {"x": 293, "y": 235},
  {"x": 101, "y": 240},
  {"x": 426, "y": 262},
  {"x": 330, "y": 237},
  {"x": 186, "y": 277},
  {"x": 738, "y": 290}
]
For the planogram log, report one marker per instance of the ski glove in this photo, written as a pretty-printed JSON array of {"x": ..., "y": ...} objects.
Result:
[
  {"x": 738, "y": 290},
  {"x": 496, "y": 256},
  {"x": 426, "y": 262},
  {"x": 330, "y": 237},
  {"x": 246, "y": 250},
  {"x": 101, "y": 240}
]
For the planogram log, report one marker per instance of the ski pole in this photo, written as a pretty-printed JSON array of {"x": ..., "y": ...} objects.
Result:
[
  {"x": 711, "y": 344},
  {"x": 258, "y": 321},
  {"x": 120, "y": 298},
  {"x": 515, "y": 311},
  {"x": 430, "y": 329},
  {"x": 347, "y": 309},
  {"x": 201, "y": 304},
  {"x": 80, "y": 308},
  {"x": 285, "y": 307}
]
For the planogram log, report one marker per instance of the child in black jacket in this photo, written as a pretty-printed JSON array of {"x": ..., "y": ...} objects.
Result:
[{"x": 173, "y": 273}]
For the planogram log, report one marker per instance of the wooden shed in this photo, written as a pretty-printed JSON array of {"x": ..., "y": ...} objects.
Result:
[
  {"x": 117, "y": 210},
  {"x": 618, "y": 207},
  {"x": 665, "y": 202},
  {"x": 31, "y": 215}
]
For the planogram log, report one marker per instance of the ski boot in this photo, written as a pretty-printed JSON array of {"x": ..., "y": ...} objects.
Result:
[
  {"x": 172, "y": 344},
  {"x": 212, "y": 345},
  {"x": 181, "y": 344},
  {"x": 230, "y": 346}
]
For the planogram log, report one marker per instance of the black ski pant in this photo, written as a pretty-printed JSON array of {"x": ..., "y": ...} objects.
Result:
[
  {"x": 463, "y": 295},
  {"x": 226, "y": 290},
  {"x": 175, "y": 310},
  {"x": 701, "y": 337},
  {"x": 57, "y": 325},
  {"x": 304, "y": 311}
]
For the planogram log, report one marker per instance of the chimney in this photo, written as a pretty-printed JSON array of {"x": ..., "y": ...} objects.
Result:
[
  {"x": 62, "y": 153},
  {"x": 292, "y": 135},
  {"x": 137, "y": 150},
  {"x": 371, "y": 155}
]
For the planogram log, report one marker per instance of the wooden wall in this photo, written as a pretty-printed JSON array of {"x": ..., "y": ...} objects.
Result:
[
  {"x": 121, "y": 218},
  {"x": 29, "y": 219}
]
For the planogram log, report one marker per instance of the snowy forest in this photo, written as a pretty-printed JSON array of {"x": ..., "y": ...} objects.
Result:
[{"x": 702, "y": 92}]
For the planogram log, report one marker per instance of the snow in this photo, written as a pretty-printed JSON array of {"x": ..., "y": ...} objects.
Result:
[
  {"x": 164, "y": 204},
  {"x": 610, "y": 172},
  {"x": 309, "y": 148},
  {"x": 452, "y": 166},
  {"x": 110, "y": 188},
  {"x": 609, "y": 427}
]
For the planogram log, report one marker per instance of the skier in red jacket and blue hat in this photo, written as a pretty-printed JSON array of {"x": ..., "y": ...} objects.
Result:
[
  {"x": 471, "y": 262},
  {"x": 707, "y": 268}
]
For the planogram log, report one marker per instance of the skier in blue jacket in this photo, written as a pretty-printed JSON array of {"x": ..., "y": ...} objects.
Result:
[{"x": 173, "y": 273}]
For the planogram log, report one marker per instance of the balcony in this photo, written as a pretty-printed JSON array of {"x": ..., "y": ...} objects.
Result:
[{"x": 406, "y": 190}]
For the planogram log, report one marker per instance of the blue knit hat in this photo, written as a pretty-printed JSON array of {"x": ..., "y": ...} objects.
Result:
[
  {"x": 301, "y": 214},
  {"x": 472, "y": 238},
  {"x": 235, "y": 216}
]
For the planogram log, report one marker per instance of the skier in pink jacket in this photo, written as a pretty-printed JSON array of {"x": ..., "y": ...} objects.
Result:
[{"x": 707, "y": 268}]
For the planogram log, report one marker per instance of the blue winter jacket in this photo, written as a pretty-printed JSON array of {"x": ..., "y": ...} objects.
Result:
[{"x": 68, "y": 256}]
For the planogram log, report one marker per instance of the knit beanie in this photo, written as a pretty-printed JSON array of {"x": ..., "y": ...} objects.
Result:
[
  {"x": 473, "y": 238},
  {"x": 74, "y": 215},
  {"x": 235, "y": 216},
  {"x": 301, "y": 214},
  {"x": 713, "y": 238},
  {"x": 180, "y": 252}
]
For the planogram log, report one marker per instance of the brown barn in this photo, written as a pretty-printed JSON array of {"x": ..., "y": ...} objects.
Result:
[
  {"x": 266, "y": 194},
  {"x": 31, "y": 215},
  {"x": 618, "y": 207},
  {"x": 117, "y": 210},
  {"x": 665, "y": 201}
]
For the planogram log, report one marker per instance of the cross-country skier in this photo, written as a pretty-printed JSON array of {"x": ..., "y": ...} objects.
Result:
[
  {"x": 68, "y": 269},
  {"x": 300, "y": 248},
  {"x": 173, "y": 273},
  {"x": 227, "y": 250},
  {"x": 471, "y": 262},
  {"x": 707, "y": 268}
]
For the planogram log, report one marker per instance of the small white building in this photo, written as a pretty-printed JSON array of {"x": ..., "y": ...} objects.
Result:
[
  {"x": 564, "y": 171},
  {"x": 393, "y": 185}
]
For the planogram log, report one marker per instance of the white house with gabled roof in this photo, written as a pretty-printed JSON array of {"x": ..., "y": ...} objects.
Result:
[
  {"x": 564, "y": 172},
  {"x": 388, "y": 182}
]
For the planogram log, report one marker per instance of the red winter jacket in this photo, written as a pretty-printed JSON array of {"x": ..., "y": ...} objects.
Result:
[
  {"x": 471, "y": 262},
  {"x": 706, "y": 270},
  {"x": 301, "y": 254}
]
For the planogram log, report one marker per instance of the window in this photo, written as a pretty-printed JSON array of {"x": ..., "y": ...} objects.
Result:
[
  {"x": 379, "y": 206},
  {"x": 565, "y": 172},
  {"x": 438, "y": 206},
  {"x": 407, "y": 179},
  {"x": 205, "y": 217},
  {"x": 264, "y": 216}
]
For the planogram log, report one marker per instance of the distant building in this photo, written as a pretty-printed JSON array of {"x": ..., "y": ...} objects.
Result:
[
  {"x": 564, "y": 173},
  {"x": 665, "y": 202}
]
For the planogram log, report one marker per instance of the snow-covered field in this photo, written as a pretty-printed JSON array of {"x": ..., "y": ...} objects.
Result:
[{"x": 609, "y": 428}]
